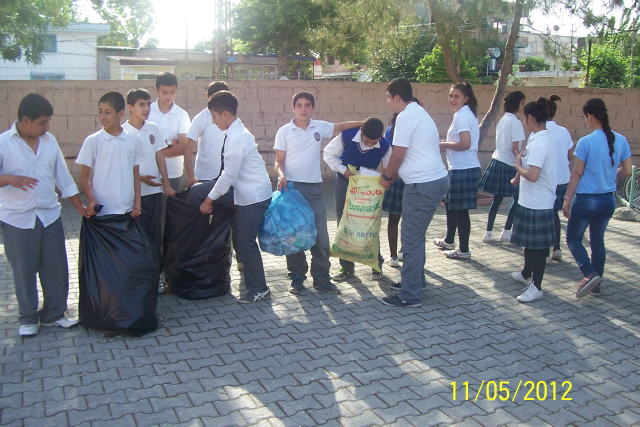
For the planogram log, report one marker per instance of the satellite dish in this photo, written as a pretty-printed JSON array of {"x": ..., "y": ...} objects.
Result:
[
  {"x": 556, "y": 28},
  {"x": 495, "y": 52}
]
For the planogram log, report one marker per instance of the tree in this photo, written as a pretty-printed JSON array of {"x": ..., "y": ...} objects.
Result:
[
  {"x": 23, "y": 22},
  {"x": 204, "y": 45},
  {"x": 130, "y": 20},
  {"x": 152, "y": 43},
  {"x": 608, "y": 68},
  {"x": 533, "y": 63},
  {"x": 432, "y": 69},
  {"x": 277, "y": 26},
  {"x": 402, "y": 62}
]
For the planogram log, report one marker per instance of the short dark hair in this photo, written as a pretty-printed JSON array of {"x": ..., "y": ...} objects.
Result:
[
  {"x": 114, "y": 99},
  {"x": 512, "y": 101},
  {"x": 402, "y": 87},
  {"x": 216, "y": 87},
  {"x": 34, "y": 106},
  {"x": 136, "y": 94},
  {"x": 306, "y": 95},
  {"x": 223, "y": 101},
  {"x": 166, "y": 79},
  {"x": 372, "y": 128},
  {"x": 538, "y": 110}
]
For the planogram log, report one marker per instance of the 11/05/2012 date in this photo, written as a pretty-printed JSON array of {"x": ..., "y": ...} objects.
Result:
[{"x": 500, "y": 390}]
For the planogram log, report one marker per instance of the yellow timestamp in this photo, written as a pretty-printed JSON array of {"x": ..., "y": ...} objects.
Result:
[{"x": 531, "y": 390}]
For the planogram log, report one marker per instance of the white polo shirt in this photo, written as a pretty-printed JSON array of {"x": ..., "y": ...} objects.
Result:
[
  {"x": 303, "y": 146},
  {"x": 563, "y": 144},
  {"x": 210, "y": 139},
  {"x": 541, "y": 153},
  {"x": 416, "y": 130},
  {"x": 464, "y": 121},
  {"x": 175, "y": 122},
  {"x": 112, "y": 159},
  {"x": 151, "y": 141},
  {"x": 20, "y": 208},
  {"x": 244, "y": 169},
  {"x": 508, "y": 131}
]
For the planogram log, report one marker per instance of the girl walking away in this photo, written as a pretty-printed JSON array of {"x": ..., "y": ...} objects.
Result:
[
  {"x": 533, "y": 225},
  {"x": 464, "y": 170},
  {"x": 564, "y": 153},
  {"x": 497, "y": 178},
  {"x": 600, "y": 158},
  {"x": 392, "y": 203}
]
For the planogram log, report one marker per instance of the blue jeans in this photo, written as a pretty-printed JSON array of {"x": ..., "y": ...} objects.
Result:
[{"x": 595, "y": 211}]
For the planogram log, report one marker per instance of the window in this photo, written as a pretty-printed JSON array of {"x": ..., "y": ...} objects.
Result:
[
  {"x": 47, "y": 76},
  {"x": 528, "y": 49},
  {"x": 50, "y": 42}
]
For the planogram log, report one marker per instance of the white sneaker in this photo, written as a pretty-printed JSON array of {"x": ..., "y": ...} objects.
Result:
[
  {"x": 400, "y": 255},
  {"x": 490, "y": 237},
  {"x": 505, "y": 236},
  {"x": 64, "y": 322},
  {"x": 557, "y": 254},
  {"x": 28, "y": 330},
  {"x": 239, "y": 266},
  {"x": 548, "y": 260},
  {"x": 161, "y": 288},
  {"x": 393, "y": 261},
  {"x": 456, "y": 254},
  {"x": 531, "y": 294},
  {"x": 444, "y": 245},
  {"x": 517, "y": 276}
]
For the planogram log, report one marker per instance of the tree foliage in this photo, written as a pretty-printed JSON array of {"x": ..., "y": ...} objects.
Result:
[
  {"x": 533, "y": 63},
  {"x": 432, "y": 69},
  {"x": 130, "y": 21},
  {"x": 402, "y": 62},
  {"x": 608, "y": 68},
  {"x": 22, "y": 23}
]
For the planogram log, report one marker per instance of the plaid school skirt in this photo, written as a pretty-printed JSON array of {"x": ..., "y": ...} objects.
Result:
[
  {"x": 497, "y": 179},
  {"x": 561, "y": 191},
  {"x": 533, "y": 228},
  {"x": 392, "y": 201},
  {"x": 463, "y": 193}
]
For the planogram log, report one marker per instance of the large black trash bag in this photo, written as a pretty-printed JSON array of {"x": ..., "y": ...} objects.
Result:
[
  {"x": 197, "y": 249},
  {"x": 119, "y": 270}
]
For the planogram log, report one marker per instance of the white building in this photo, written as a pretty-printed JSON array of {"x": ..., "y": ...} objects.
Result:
[{"x": 71, "y": 55}]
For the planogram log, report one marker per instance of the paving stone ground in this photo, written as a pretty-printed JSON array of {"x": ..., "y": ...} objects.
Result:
[{"x": 320, "y": 359}]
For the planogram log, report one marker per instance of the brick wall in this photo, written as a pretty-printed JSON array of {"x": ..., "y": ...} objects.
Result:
[{"x": 266, "y": 105}]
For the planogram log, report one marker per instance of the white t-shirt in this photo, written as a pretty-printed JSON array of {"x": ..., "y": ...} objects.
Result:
[
  {"x": 112, "y": 159},
  {"x": 302, "y": 146},
  {"x": 175, "y": 122},
  {"x": 210, "y": 139},
  {"x": 464, "y": 121},
  {"x": 540, "y": 152},
  {"x": 416, "y": 130},
  {"x": 508, "y": 131},
  {"x": 151, "y": 141},
  {"x": 563, "y": 144}
]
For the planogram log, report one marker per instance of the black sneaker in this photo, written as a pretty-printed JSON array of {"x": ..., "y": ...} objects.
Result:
[
  {"x": 596, "y": 292},
  {"x": 254, "y": 296},
  {"x": 396, "y": 301},
  {"x": 327, "y": 287},
  {"x": 297, "y": 286},
  {"x": 587, "y": 284},
  {"x": 397, "y": 286}
]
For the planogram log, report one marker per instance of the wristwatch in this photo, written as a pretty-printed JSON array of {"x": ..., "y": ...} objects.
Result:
[
  {"x": 385, "y": 177},
  {"x": 169, "y": 142}
]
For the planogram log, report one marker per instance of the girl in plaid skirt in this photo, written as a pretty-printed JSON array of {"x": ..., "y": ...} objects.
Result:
[
  {"x": 533, "y": 226},
  {"x": 464, "y": 169},
  {"x": 497, "y": 178}
]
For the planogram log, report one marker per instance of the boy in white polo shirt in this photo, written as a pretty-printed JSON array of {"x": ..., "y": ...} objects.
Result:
[
  {"x": 31, "y": 167},
  {"x": 154, "y": 182},
  {"x": 244, "y": 169},
  {"x": 114, "y": 155},
  {"x": 174, "y": 124},
  {"x": 298, "y": 146}
]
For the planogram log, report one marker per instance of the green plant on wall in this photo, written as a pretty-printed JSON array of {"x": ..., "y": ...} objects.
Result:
[
  {"x": 533, "y": 63},
  {"x": 432, "y": 69}
]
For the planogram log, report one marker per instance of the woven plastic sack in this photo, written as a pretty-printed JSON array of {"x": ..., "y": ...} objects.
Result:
[
  {"x": 289, "y": 224},
  {"x": 358, "y": 235}
]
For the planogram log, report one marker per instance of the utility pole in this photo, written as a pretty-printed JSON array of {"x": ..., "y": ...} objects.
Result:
[
  {"x": 186, "y": 47},
  {"x": 633, "y": 48},
  {"x": 586, "y": 81}
]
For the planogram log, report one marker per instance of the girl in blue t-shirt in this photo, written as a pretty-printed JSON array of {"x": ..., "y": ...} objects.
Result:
[{"x": 600, "y": 158}]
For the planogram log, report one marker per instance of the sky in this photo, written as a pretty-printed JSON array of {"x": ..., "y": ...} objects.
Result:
[{"x": 173, "y": 16}]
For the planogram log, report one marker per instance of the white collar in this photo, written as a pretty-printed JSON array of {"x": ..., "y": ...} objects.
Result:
[
  {"x": 14, "y": 131},
  {"x": 311, "y": 124},
  {"x": 358, "y": 138},
  {"x": 108, "y": 137}
]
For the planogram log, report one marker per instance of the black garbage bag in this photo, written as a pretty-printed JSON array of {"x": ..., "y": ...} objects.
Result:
[
  {"x": 197, "y": 249},
  {"x": 118, "y": 275}
]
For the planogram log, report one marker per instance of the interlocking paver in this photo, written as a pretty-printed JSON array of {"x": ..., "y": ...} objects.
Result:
[{"x": 345, "y": 360}]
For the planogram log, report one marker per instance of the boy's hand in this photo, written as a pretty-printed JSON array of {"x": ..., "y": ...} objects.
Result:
[
  {"x": 206, "y": 206},
  {"x": 385, "y": 184},
  {"x": 347, "y": 174},
  {"x": 282, "y": 183},
  {"x": 90, "y": 211},
  {"x": 169, "y": 191},
  {"x": 192, "y": 181},
  {"x": 136, "y": 212},
  {"x": 24, "y": 183},
  {"x": 149, "y": 180},
  {"x": 82, "y": 210}
]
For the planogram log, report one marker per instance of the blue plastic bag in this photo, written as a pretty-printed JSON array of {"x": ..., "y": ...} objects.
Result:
[{"x": 289, "y": 224}]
